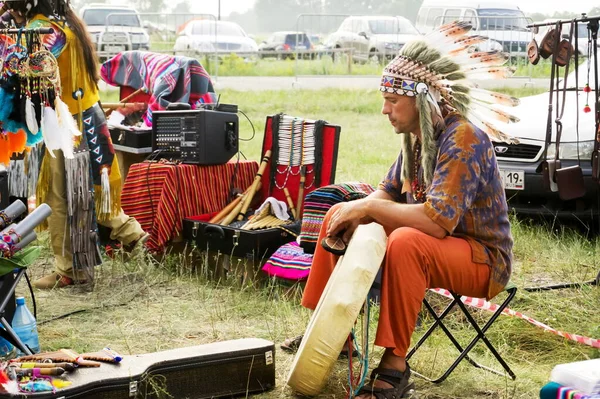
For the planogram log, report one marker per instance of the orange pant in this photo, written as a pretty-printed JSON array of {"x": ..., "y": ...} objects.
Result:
[{"x": 414, "y": 261}]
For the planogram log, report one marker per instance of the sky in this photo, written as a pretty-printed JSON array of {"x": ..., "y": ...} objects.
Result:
[{"x": 228, "y": 6}]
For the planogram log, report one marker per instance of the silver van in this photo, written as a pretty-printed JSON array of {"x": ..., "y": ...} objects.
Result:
[{"x": 504, "y": 23}]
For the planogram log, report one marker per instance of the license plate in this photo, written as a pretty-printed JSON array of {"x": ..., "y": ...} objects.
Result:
[
  {"x": 513, "y": 179},
  {"x": 115, "y": 49}
]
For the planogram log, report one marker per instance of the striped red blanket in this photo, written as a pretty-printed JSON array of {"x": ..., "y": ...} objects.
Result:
[{"x": 161, "y": 195}]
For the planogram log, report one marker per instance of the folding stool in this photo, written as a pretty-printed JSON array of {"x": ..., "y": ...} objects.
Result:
[{"x": 511, "y": 290}]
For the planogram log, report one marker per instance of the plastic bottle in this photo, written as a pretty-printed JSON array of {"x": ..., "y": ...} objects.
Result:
[{"x": 25, "y": 326}]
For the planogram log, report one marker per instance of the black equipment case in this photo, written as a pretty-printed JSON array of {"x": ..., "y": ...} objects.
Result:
[
  {"x": 222, "y": 369},
  {"x": 259, "y": 245}
]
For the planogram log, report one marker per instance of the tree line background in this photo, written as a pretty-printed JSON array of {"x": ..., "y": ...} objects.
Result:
[{"x": 274, "y": 15}]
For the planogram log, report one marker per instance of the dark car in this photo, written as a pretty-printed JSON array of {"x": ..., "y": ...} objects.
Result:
[
  {"x": 284, "y": 45},
  {"x": 520, "y": 163}
]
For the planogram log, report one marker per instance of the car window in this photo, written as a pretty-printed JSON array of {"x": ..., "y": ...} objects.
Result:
[
  {"x": 451, "y": 15},
  {"x": 294, "y": 38},
  {"x": 501, "y": 19},
  {"x": 205, "y": 28},
  {"x": 434, "y": 17},
  {"x": 471, "y": 17},
  {"x": 582, "y": 30},
  {"x": 422, "y": 16},
  {"x": 356, "y": 26},
  {"x": 346, "y": 25},
  {"x": 391, "y": 27},
  {"x": 116, "y": 17}
]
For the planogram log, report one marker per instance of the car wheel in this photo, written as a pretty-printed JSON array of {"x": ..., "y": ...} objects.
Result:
[
  {"x": 336, "y": 55},
  {"x": 374, "y": 57}
]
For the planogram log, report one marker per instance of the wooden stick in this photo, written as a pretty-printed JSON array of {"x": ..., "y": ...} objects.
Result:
[
  {"x": 225, "y": 211},
  {"x": 254, "y": 188},
  {"x": 119, "y": 105},
  {"x": 135, "y": 93},
  {"x": 290, "y": 202},
  {"x": 301, "y": 191},
  {"x": 238, "y": 208}
]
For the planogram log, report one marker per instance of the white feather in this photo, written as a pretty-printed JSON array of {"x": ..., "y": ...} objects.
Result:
[
  {"x": 65, "y": 118},
  {"x": 105, "y": 204},
  {"x": 54, "y": 136},
  {"x": 30, "y": 118}
]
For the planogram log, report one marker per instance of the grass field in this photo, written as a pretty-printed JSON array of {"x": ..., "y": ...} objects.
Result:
[{"x": 145, "y": 306}]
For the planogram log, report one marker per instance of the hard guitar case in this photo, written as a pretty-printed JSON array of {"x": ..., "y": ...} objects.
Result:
[{"x": 223, "y": 369}]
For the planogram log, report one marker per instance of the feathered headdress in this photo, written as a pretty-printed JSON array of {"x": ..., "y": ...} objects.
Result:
[{"x": 437, "y": 70}]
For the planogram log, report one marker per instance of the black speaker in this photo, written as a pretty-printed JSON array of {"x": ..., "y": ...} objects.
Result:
[{"x": 201, "y": 137}]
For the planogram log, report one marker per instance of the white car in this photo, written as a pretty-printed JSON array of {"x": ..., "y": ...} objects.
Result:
[
  {"x": 374, "y": 38},
  {"x": 209, "y": 36},
  {"x": 115, "y": 28}
]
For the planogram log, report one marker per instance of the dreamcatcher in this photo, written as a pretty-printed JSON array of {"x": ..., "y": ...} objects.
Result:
[{"x": 31, "y": 109}]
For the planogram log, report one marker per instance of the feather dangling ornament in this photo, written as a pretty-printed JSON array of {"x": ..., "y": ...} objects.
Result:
[
  {"x": 51, "y": 130},
  {"x": 491, "y": 112},
  {"x": 493, "y": 97},
  {"x": 105, "y": 201},
  {"x": 30, "y": 118},
  {"x": 492, "y": 131},
  {"x": 65, "y": 118}
]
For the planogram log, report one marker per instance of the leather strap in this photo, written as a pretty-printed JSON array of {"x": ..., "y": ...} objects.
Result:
[
  {"x": 551, "y": 97},
  {"x": 559, "y": 114}
]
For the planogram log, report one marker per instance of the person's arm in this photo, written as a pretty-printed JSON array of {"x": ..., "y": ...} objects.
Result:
[{"x": 391, "y": 215}]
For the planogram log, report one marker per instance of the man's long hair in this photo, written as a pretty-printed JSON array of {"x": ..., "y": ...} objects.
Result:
[{"x": 45, "y": 7}]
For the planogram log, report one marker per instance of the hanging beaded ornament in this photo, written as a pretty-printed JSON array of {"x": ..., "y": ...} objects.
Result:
[
  {"x": 418, "y": 188},
  {"x": 297, "y": 145}
]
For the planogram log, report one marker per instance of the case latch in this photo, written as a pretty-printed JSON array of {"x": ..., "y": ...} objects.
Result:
[{"x": 133, "y": 389}]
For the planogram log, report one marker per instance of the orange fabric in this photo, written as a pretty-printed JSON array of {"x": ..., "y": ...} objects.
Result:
[{"x": 413, "y": 263}]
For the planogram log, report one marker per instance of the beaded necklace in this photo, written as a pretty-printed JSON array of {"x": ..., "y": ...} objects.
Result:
[{"x": 418, "y": 189}]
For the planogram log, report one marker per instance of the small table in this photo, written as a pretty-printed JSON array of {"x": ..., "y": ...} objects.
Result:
[{"x": 160, "y": 195}]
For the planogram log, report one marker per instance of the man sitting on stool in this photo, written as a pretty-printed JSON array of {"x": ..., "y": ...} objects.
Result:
[{"x": 442, "y": 205}]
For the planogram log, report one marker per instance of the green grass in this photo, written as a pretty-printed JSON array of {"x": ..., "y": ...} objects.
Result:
[{"x": 145, "y": 306}]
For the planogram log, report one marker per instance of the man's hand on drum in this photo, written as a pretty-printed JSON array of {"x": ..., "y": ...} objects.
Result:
[{"x": 346, "y": 218}]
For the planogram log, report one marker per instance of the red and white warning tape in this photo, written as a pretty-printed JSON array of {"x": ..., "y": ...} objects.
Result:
[{"x": 483, "y": 304}]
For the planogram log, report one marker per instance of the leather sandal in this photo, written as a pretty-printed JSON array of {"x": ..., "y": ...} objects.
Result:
[{"x": 400, "y": 381}]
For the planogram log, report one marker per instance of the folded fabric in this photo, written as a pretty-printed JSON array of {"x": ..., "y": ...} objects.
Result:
[
  {"x": 289, "y": 262},
  {"x": 553, "y": 390},
  {"x": 278, "y": 208}
]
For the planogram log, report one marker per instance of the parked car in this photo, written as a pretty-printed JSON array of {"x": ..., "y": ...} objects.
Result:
[
  {"x": 284, "y": 45},
  {"x": 115, "y": 28},
  {"x": 519, "y": 163},
  {"x": 502, "y": 22},
  {"x": 210, "y": 36},
  {"x": 372, "y": 38}
]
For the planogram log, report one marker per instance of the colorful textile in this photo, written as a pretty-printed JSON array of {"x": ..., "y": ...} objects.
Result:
[
  {"x": 466, "y": 197},
  {"x": 161, "y": 195},
  {"x": 318, "y": 202},
  {"x": 553, "y": 390},
  {"x": 289, "y": 262},
  {"x": 168, "y": 79}
]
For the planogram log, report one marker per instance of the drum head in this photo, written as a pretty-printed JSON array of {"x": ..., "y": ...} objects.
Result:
[{"x": 337, "y": 310}]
